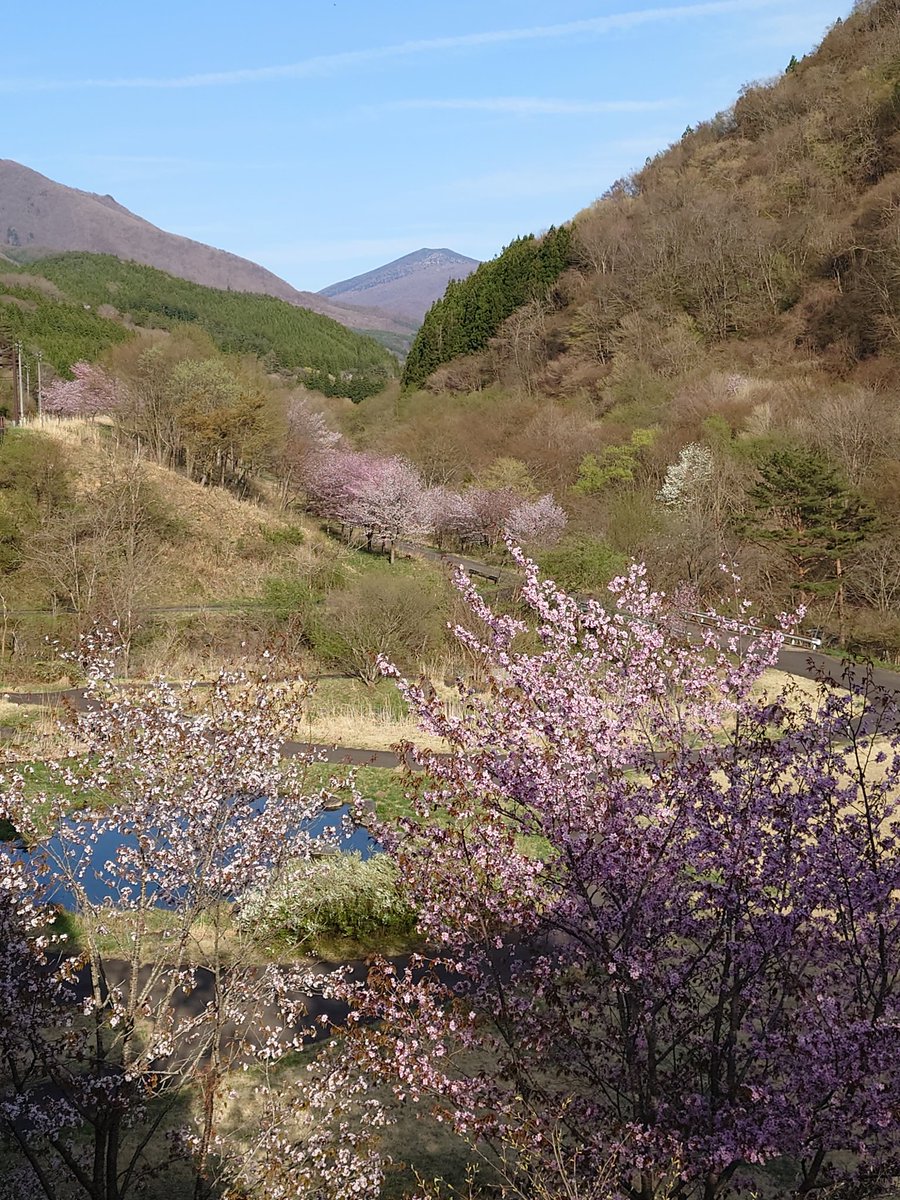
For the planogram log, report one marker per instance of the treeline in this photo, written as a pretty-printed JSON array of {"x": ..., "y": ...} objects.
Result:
[
  {"x": 773, "y": 223},
  {"x": 471, "y": 310},
  {"x": 287, "y": 339},
  {"x": 216, "y": 419}
]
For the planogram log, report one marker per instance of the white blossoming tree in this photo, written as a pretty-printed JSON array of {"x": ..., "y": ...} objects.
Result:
[
  {"x": 171, "y": 804},
  {"x": 687, "y": 478}
]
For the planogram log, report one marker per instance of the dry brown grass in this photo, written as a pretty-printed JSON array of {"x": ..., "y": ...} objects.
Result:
[
  {"x": 223, "y": 546},
  {"x": 795, "y": 688},
  {"x": 347, "y": 725},
  {"x": 31, "y": 731}
]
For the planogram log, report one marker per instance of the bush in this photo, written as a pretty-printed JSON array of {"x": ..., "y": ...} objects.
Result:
[
  {"x": 399, "y": 618},
  {"x": 289, "y": 596},
  {"x": 338, "y": 896},
  {"x": 582, "y": 564},
  {"x": 875, "y": 636},
  {"x": 288, "y": 535}
]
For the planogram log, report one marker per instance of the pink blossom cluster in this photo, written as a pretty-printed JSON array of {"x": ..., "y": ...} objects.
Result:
[
  {"x": 386, "y": 497},
  {"x": 90, "y": 393}
]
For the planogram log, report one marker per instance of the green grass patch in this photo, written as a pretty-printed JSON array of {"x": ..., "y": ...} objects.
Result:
[
  {"x": 386, "y": 787},
  {"x": 337, "y": 900},
  {"x": 382, "y": 700}
]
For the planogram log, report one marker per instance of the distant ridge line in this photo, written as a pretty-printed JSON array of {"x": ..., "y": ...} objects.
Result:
[{"x": 39, "y": 217}]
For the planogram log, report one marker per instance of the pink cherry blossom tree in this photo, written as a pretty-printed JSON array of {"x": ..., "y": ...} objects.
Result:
[
  {"x": 666, "y": 913},
  {"x": 538, "y": 522},
  {"x": 92, "y": 391},
  {"x": 384, "y": 497},
  {"x": 308, "y": 438},
  {"x": 332, "y": 480},
  {"x": 451, "y": 516},
  {"x": 493, "y": 508},
  {"x": 389, "y": 501}
]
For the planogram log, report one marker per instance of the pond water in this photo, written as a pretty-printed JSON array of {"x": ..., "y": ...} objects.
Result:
[{"x": 105, "y": 886}]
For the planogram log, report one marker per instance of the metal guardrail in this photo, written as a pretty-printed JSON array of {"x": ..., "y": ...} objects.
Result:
[{"x": 715, "y": 621}]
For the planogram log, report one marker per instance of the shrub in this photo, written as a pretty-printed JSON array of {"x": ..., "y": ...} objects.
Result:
[
  {"x": 582, "y": 564},
  {"x": 399, "y": 618},
  {"x": 288, "y": 535}
]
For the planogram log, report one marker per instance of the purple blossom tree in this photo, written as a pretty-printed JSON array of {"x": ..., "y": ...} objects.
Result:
[{"x": 666, "y": 913}]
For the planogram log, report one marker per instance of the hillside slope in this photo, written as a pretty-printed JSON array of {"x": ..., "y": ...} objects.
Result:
[
  {"x": 408, "y": 286},
  {"x": 768, "y": 233},
  {"x": 39, "y": 216},
  {"x": 709, "y": 371},
  {"x": 91, "y": 532}
]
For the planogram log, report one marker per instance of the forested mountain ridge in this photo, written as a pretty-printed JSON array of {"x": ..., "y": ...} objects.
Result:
[
  {"x": 39, "y": 216},
  {"x": 73, "y": 306},
  {"x": 709, "y": 367},
  {"x": 472, "y": 309},
  {"x": 769, "y": 229}
]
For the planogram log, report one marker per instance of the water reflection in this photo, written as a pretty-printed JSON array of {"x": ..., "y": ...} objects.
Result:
[{"x": 333, "y": 828}]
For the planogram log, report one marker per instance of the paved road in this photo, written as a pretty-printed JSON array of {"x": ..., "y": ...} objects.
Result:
[
  {"x": 358, "y": 756},
  {"x": 793, "y": 662},
  {"x": 810, "y": 664}
]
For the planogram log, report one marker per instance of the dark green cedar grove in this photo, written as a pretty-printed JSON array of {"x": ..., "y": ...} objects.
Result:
[{"x": 472, "y": 309}]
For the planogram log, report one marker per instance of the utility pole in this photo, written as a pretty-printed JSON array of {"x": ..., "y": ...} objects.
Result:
[
  {"x": 21, "y": 398},
  {"x": 40, "y": 394}
]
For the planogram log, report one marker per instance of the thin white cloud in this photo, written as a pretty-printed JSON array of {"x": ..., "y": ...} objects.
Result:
[
  {"x": 328, "y": 64},
  {"x": 527, "y": 106}
]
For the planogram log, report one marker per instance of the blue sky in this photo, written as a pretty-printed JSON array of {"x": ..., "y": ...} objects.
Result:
[{"x": 323, "y": 138}]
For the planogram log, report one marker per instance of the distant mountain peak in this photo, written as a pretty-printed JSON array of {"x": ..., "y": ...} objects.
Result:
[{"x": 408, "y": 286}]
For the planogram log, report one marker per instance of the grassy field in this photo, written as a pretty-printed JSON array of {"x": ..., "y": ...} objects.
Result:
[
  {"x": 344, "y": 712},
  {"x": 387, "y": 788}
]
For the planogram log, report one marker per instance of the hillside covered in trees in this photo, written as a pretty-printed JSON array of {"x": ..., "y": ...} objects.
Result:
[
  {"x": 39, "y": 216},
  {"x": 74, "y": 306},
  {"x": 711, "y": 367},
  {"x": 770, "y": 228},
  {"x": 472, "y": 309}
]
